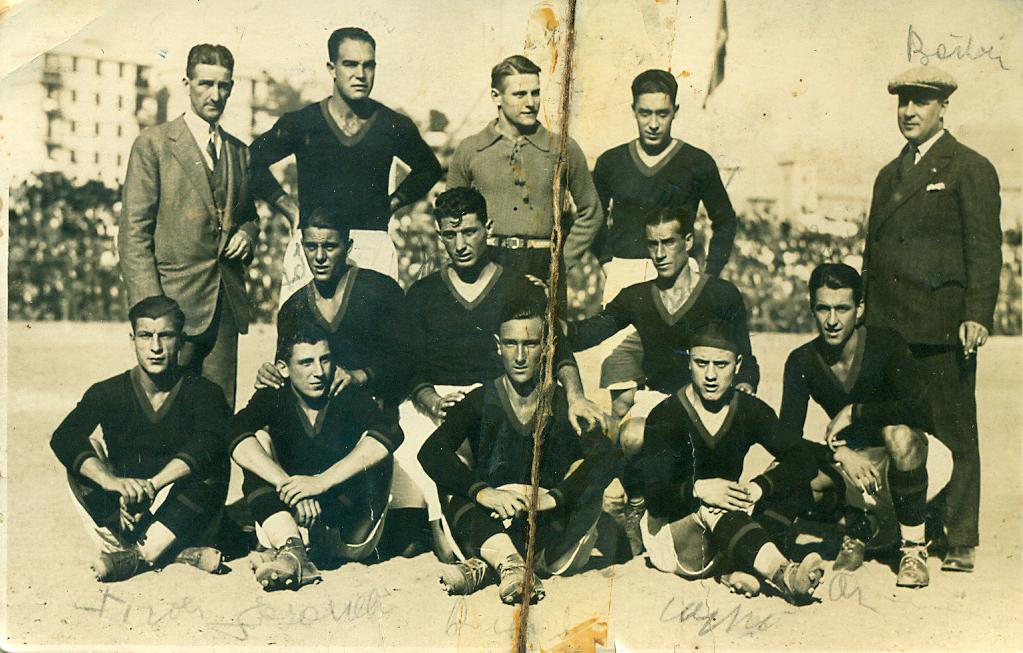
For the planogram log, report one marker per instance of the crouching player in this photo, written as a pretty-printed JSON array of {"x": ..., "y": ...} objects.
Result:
[
  {"x": 694, "y": 446},
  {"x": 867, "y": 382},
  {"x": 485, "y": 494},
  {"x": 156, "y": 480},
  {"x": 327, "y": 475}
]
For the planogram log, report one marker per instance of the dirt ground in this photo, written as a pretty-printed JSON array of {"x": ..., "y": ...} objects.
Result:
[{"x": 52, "y": 599}]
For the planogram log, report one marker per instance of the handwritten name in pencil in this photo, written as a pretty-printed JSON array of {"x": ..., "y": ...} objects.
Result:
[{"x": 961, "y": 47}]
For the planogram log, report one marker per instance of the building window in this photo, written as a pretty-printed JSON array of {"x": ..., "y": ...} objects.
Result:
[
  {"x": 74, "y": 126},
  {"x": 51, "y": 93},
  {"x": 95, "y": 157},
  {"x": 96, "y": 129},
  {"x": 74, "y": 159},
  {"x": 99, "y": 67},
  {"x": 120, "y": 131},
  {"x": 120, "y": 70},
  {"x": 74, "y": 64},
  {"x": 119, "y": 159},
  {"x": 74, "y": 96},
  {"x": 97, "y": 99},
  {"x": 120, "y": 101}
]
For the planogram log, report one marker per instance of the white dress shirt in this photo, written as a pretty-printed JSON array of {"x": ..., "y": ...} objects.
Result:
[{"x": 201, "y": 132}]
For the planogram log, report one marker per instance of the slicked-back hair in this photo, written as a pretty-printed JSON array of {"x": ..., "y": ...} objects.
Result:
[
  {"x": 459, "y": 202},
  {"x": 156, "y": 307},
  {"x": 655, "y": 80},
  {"x": 530, "y": 305},
  {"x": 323, "y": 218},
  {"x": 292, "y": 330},
  {"x": 209, "y": 54},
  {"x": 513, "y": 65},
  {"x": 835, "y": 276},
  {"x": 685, "y": 218},
  {"x": 338, "y": 36}
]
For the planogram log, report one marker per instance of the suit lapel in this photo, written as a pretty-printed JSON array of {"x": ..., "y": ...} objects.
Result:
[
  {"x": 231, "y": 160},
  {"x": 939, "y": 156},
  {"x": 186, "y": 151}
]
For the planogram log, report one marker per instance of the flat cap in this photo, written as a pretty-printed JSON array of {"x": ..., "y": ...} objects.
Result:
[{"x": 928, "y": 77}]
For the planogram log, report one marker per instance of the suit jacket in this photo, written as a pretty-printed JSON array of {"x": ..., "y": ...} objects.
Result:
[
  {"x": 171, "y": 240},
  {"x": 933, "y": 254}
]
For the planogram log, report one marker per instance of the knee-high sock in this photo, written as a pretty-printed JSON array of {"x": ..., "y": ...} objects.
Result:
[
  {"x": 909, "y": 494},
  {"x": 739, "y": 538}
]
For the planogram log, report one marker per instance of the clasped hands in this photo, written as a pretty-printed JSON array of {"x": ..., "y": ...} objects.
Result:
[{"x": 722, "y": 495}]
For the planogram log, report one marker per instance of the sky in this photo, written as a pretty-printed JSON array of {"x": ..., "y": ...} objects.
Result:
[{"x": 803, "y": 79}]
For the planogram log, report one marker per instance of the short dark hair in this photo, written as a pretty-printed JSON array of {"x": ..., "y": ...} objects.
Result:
[
  {"x": 655, "y": 81},
  {"x": 513, "y": 65},
  {"x": 293, "y": 330},
  {"x": 156, "y": 307},
  {"x": 209, "y": 54},
  {"x": 835, "y": 276},
  {"x": 338, "y": 36},
  {"x": 684, "y": 216},
  {"x": 327, "y": 218},
  {"x": 459, "y": 202},
  {"x": 531, "y": 304},
  {"x": 714, "y": 333}
]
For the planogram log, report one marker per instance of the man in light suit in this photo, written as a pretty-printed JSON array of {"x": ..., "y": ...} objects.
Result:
[
  {"x": 188, "y": 225},
  {"x": 931, "y": 267}
]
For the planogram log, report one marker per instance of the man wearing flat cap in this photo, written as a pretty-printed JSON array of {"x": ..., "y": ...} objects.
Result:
[{"x": 931, "y": 268}]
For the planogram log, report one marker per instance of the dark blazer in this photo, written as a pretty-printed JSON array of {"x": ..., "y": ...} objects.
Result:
[
  {"x": 171, "y": 241},
  {"x": 933, "y": 254}
]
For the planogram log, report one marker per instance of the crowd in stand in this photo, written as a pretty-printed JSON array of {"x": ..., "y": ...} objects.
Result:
[{"x": 63, "y": 261}]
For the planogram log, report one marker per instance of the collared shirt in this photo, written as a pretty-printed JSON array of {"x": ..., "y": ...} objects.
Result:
[
  {"x": 201, "y": 131},
  {"x": 516, "y": 176},
  {"x": 922, "y": 148}
]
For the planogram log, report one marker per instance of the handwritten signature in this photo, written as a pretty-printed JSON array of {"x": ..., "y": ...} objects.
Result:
[
  {"x": 959, "y": 49},
  {"x": 744, "y": 622},
  {"x": 241, "y": 624},
  {"x": 843, "y": 587}
]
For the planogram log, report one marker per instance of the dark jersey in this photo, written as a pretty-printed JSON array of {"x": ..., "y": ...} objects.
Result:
[
  {"x": 309, "y": 448},
  {"x": 338, "y": 170},
  {"x": 884, "y": 386},
  {"x": 635, "y": 192},
  {"x": 665, "y": 336},
  {"x": 369, "y": 331},
  {"x": 190, "y": 425},
  {"x": 678, "y": 451},
  {"x": 453, "y": 339},
  {"x": 502, "y": 447}
]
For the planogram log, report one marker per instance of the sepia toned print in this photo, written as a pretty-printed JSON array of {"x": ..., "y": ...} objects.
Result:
[{"x": 561, "y": 325}]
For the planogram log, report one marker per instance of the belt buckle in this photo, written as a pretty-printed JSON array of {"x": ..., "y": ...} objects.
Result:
[{"x": 514, "y": 242}]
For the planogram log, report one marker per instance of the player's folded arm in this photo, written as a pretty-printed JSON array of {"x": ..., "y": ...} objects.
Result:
[
  {"x": 439, "y": 454},
  {"x": 70, "y": 441}
]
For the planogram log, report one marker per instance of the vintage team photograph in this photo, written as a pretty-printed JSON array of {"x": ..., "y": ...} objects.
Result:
[{"x": 523, "y": 325}]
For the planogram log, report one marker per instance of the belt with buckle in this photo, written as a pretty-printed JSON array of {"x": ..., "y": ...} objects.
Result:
[{"x": 519, "y": 242}]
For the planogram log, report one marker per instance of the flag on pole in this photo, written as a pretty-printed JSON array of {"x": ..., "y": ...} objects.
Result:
[{"x": 717, "y": 72}]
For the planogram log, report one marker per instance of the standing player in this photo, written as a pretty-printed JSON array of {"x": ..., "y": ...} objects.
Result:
[
  {"x": 453, "y": 315},
  {"x": 869, "y": 385},
  {"x": 485, "y": 501},
  {"x": 512, "y": 162},
  {"x": 155, "y": 482},
  {"x": 665, "y": 311},
  {"x": 939, "y": 200},
  {"x": 694, "y": 446},
  {"x": 344, "y": 146},
  {"x": 328, "y": 470},
  {"x": 188, "y": 226}
]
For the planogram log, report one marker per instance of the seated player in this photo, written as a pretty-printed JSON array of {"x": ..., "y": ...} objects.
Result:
[
  {"x": 867, "y": 382},
  {"x": 154, "y": 484},
  {"x": 486, "y": 492},
  {"x": 664, "y": 311},
  {"x": 694, "y": 446},
  {"x": 329, "y": 468},
  {"x": 453, "y": 315}
]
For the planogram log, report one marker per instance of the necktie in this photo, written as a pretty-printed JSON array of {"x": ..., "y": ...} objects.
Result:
[
  {"x": 908, "y": 160},
  {"x": 211, "y": 147}
]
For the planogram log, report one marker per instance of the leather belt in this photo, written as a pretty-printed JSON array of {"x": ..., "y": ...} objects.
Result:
[{"x": 519, "y": 242}]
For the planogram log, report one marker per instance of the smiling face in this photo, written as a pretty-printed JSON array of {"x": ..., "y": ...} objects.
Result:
[
  {"x": 654, "y": 114},
  {"x": 519, "y": 344},
  {"x": 836, "y": 313},
  {"x": 464, "y": 239},
  {"x": 921, "y": 114},
  {"x": 713, "y": 370},
  {"x": 668, "y": 248},
  {"x": 309, "y": 367},
  {"x": 208, "y": 89},
  {"x": 326, "y": 253},
  {"x": 157, "y": 342},
  {"x": 354, "y": 69},
  {"x": 518, "y": 100}
]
